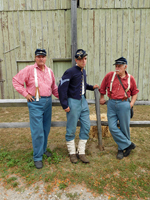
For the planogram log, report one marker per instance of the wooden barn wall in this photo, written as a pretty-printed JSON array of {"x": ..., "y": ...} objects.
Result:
[
  {"x": 106, "y": 29},
  {"x": 23, "y": 31},
  {"x": 108, "y": 34},
  {"x": 114, "y": 4},
  {"x": 11, "y": 5}
]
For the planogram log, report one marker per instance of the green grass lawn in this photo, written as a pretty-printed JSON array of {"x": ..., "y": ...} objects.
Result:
[{"x": 128, "y": 178}]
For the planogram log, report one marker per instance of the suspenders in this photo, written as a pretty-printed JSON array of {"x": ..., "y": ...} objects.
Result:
[
  {"x": 113, "y": 77},
  {"x": 37, "y": 93}
]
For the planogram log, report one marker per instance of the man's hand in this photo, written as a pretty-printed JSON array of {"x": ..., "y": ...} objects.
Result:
[
  {"x": 102, "y": 101},
  {"x": 95, "y": 86},
  {"x": 29, "y": 98},
  {"x": 67, "y": 109}
]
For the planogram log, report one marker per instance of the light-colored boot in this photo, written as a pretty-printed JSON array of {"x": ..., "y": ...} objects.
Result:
[
  {"x": 72, "y": 151},
  {"x": 81, "y": 151}
]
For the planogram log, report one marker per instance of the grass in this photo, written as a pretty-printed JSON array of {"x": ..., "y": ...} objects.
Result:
[{"x": 128, "y": 178}]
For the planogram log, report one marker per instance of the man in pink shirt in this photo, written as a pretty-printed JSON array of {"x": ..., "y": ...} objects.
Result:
[
  {"x": 118, "y": 106},
  {"x": 40, "y": 85}
]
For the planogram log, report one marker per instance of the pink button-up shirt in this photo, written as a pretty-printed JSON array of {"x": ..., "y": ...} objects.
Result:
[{"x": 46, "y": 85}]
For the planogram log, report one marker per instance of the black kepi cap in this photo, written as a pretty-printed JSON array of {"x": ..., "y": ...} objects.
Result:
[
  {"x": 40, "y": 52},
  {"x": 80, "y": 53},
  {"x": 120, "y": 61}
]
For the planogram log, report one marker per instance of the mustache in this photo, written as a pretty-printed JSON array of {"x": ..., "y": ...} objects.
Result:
[{"x": 117, "y": 70}]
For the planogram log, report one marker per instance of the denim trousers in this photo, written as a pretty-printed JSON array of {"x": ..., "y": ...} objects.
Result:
[
  {"x": 79, "y": 110},
  {"x": 40, "y": 123},
  {"x": 119, "y": 110}
]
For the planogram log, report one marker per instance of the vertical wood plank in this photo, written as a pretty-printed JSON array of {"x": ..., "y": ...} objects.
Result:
[
  {"x": 52, "y": 4},
  {"x": 34, "y": 4},
  {"x": 46, "y": 4},
  {"x": 146, "y": 63},
  {"x": 5, "y": 5},
  {"x": 90, "y": 50},
  {"x": 6, "y": 47},
  {"x": 33, "y": 33},
  {"x": 99, "y": 4},
  {"x": 11, "y": 54},
  {"x": 130, "y": 57},
  {"x": 117, "y": 3},
  {"x": 39, "y": 38},
  {"x": 125, "y": 33},
  {"x": 51, "y": 53},
  {"x": 119, "y": 32},
  {"x": 56, "y": 35},
  {"x": 142, "y": 70},
  {"x": 22, "y": 5},
  {"x": 102, "y": 42},
  {"x": 136, "y": 46},
  {"x": 96, "y": 49},
  {"x": 28, "y": 38},
  {"x": 40, "y": 4},
  {"x": 2, "y": 56},
  {"x": 16, "y": 50},
  {"x": 80, "y": 28},
  {"x": 114, "y": 37},
  {"x": 28, "y": 4},
  {"x": 68, "y": 33},
  {"x": 73, "y": 29},
  {"x": 108, "y": 40},
  {"x": 62, "y": 33}
]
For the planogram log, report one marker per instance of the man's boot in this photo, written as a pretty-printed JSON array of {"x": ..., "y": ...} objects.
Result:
[
  {"x": 81, "y": 151},
  {"x": 72, "y": 151}
]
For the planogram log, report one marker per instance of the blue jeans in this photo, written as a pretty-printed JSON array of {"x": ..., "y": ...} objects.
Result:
[
  {"x": 119, "y": 110},
  {"x": 40, "y": 123},
  {"x": 79, "y": 110}
]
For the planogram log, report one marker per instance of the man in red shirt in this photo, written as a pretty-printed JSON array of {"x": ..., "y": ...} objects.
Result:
[
  {"x": 40, "y": 85},
  {"x": 118, "y": 106}
]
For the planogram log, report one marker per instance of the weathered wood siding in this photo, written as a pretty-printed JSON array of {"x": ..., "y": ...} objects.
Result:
[
  {"x": 11, "y": 5},
  {"x": 23, "y": 31},
  {"x": 106, "y": 29},
  {"x": 114, "y": 4},
  {"x": 109, "y": 33}
]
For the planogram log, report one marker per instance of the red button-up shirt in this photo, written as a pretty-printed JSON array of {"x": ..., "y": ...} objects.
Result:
[
  {"x": 117, "y": 89},
  {"x": 46, "y": 85}
]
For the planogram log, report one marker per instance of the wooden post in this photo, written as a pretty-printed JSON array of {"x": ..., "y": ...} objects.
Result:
[
  {"x": 1, "y": 81},
  {"x": 97, "y": 108},
  {"x": 73, "y": 29}
]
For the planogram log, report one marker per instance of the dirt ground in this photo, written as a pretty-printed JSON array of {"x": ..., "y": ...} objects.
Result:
[{"x": 77, "y": 192}]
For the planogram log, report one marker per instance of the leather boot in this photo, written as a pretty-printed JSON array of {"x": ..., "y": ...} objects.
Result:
[
  {"x": 73, "y": 158},
  {"x": 81, "y": 151},
  {"x": 72, "y": 151},
  {"x": 83, "y": 158}
]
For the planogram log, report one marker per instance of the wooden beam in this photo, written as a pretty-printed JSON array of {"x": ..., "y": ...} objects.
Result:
[
  {"x": 55, "y": 102},
  {"x": 97, "y": 108},
  {"x": 63, "y": 124},
  {"x": 73, "y": 29},
  {"x": 23, "y": 102}
]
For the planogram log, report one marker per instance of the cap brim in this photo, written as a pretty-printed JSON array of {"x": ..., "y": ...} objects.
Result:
[
  {"x": 40, "y": 54},
  {"x": 119, "y": 63}
]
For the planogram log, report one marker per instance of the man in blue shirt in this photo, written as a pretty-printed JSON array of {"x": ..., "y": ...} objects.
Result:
[{"x": 72, "y": 90}]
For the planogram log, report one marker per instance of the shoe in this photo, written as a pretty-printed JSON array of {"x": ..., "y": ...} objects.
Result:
[
  {"x": 83, "y": 158},
  {"x": 120, "y": 154},
  {"x": 128, "y": 149},
  {"x": 38, "y": 164},
  {"x": 73, "y": 158},
  {"x": 48, "y": 154}
]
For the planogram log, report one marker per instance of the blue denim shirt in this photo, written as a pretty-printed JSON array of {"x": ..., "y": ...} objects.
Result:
[{"x": 70, "y": 85}]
